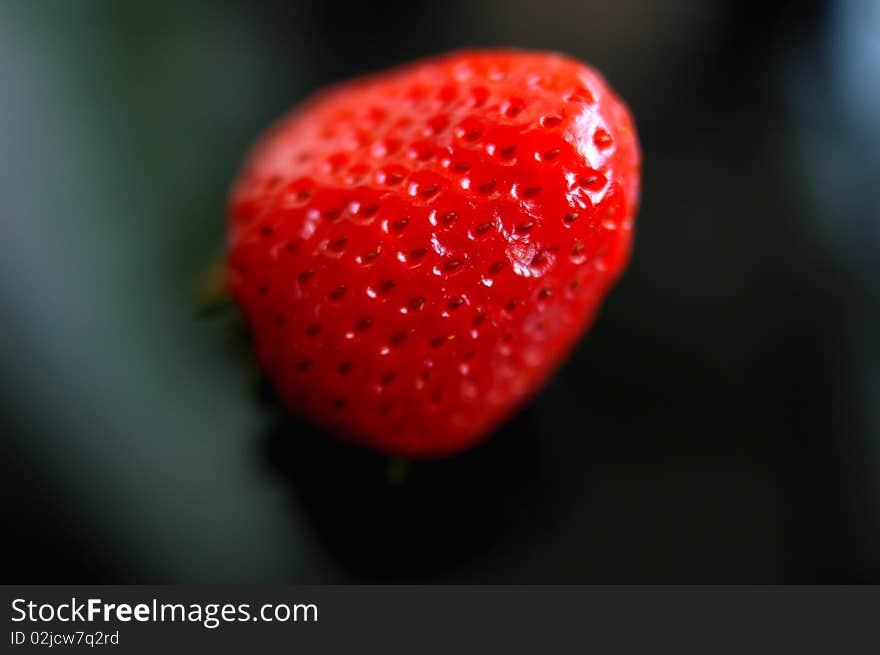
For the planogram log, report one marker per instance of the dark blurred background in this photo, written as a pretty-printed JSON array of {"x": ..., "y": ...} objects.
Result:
[{"x": 721, "y": 423}]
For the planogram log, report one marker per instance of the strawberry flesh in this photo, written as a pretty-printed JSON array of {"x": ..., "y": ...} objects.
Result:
[{"x": 417, "y": 251}]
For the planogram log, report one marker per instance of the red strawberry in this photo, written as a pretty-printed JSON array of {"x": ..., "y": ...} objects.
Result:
[{"x": 416, "y": 252}]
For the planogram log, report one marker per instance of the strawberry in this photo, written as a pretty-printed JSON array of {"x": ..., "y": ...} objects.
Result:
[{"x": 416, "y": 252}]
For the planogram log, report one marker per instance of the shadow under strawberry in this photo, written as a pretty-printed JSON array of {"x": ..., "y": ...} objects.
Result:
[{"x": 388, "y": 520}]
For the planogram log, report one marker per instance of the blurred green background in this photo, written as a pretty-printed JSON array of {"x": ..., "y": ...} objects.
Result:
[{"x": 721, "y": 423}]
